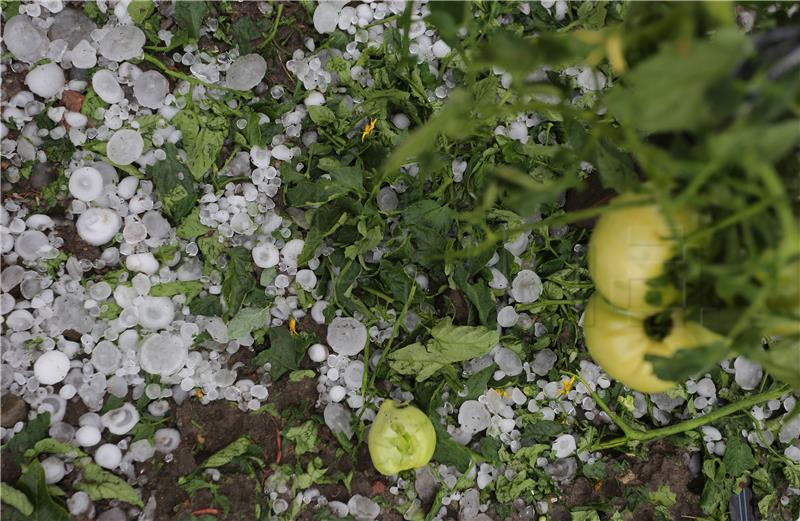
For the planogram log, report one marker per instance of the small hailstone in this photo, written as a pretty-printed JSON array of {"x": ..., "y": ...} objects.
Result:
[
  {"x": 150, "y": 89},
  {"x": 706, "y": 388},
  {"x": 87, "y": 436},
  {"x": 84, "y": 56},
  {"x": 306, "y": 279},
  {"x": 125, "y": 146},
  {"x": 86, "y": 184},
  {"x": 401, "y": 121},
  {"x": 121, "y": 420},
  {"x": 142, "y": 262},
  {"x": 51, "y": 367},
  {"x": 54, "y": 470},
  {"x": 518, "y": 246},
  {"x": 46, "y": 80},
  {"x": 108, "y": 456},
  {"x": 24, "y": 40},
  {"x": 508, "y": 361},
  {"x": 155, "y": 312},
  {"x": 318, "y": 353},
  {"x": 543, "y": 361},
  {"x": 507, "y": 317},
  {"x": 711, "y": 433},
  {"x": 347, "y": 336},
  {"x": 748, "y": 374},
  {"x": 499, "y": 281},
  {"x": 473, "y": 416},
  {"x": 338, "y": 418},
  {"x": 360, "y": 507},
  {"x": 318, "y": 311},
  {"x": 440, "y": 49},
  {"x": 564, "y": 446},
  {"x": 314, "y": 98},
  {"x": 163, "y": 354},
  {"x": 387, "y": 199},
  {"x": 291, "y": 251},
  {"x": 337, "y": 393},
  {"x": 106, "y": 87},
  {"x": 526, "y": 287}
]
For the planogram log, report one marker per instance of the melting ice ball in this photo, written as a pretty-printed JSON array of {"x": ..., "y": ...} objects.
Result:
[
  {"x": 97, "y": 226},
  {"x": 86, "y": 184},
  {"x": 46, "y": 80},
  {"x": 150, "y": 89},
  {"x": 246, "y": 72},
  {"x": 120, "y": 421},
  {"x": 121, "y": 43},
  {"x": 155, "y": 312},
  {"x": 526, "y": 287},
  {"x": 107, "y": 87},
  {"x": 125, "y": 146},
  {"x": 163, "y": 354},
  {"x": 30, "y": 245},
  {"x": 23, "y": 40},
  {"x": 108, "y": 456},
  {"x": 347, "y": 336},
  {"x": 51, "y": 368}
]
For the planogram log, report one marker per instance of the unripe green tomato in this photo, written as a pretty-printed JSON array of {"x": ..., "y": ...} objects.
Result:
[
  {"x": 630, "y": 246},
  {"x": 786, "y": 299},
  {"x": 619, "y": 344},
  {"x": 401, "y": 438}
]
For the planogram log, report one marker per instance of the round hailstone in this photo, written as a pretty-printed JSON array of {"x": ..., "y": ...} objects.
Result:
[
  {"x": 314, "y": 98},
  {"x": 51, "y": 368},
  {"x": 106, "y": 357},
  {"x": 125, "y": 146},
  {"x": 266, "y": 255},
  {"x": 163, "y": 354},
  {"x": 166, "y": 440},
  {"x": 440, "y": 49},
  {"x": 246, "y": 72},
  {"x": 347, "y": 336},
  {"x": 748, "y": 374},
  {"x": 362, "y": 507},
  {"x": 337, "y": 393},
  {"x": 318, "y": 353},
  {"x": 473, "y": 416},
  {"x": 54, "y": 470},
  {"x": 526, "y": 287},
  {"x": 354, "y": 374},
  {"x": 150, "y": 89},
  {"x": 120, "y": 421},
  {"x": 46, "y": 80},
  {"x": 507, "y": 317},
  {"x": 338, "y": 418},
  {"x": 387, "y": 199},
  {"x": 24, "y": 40},
  {"x": 155, "y": 312},
  {"x": 508, "y": 361},
  {"x": 326, "y": 17},
  {"x": 564, "y": 446},
  {"x": 97, "y": 226},
  {"x": 87, "y": 436},
  {"x": 307, "y": 279},
  {"x": 121, "y": 43},
  {"x": 86, "y": 184},
  {"x": 84, "y": 56},
  {"x": 30, "y": 244},
  {"x": 291, "y": 251},
  {"x": 107, "y": 87},
  {"x": 108, "y": 456}
]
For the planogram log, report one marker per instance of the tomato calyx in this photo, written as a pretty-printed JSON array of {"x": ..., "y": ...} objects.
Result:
[{"x": 659, "y": 326}]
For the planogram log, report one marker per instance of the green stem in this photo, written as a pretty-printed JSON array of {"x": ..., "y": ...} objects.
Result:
[
  {"x": 689, "y": 425},
  {"x": 191, "y": 79},
  {"x": 275, "y": 26}
]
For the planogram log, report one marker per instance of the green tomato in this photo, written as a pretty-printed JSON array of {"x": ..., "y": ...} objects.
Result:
[
  {"x": 401, "y": 438},
  {"x": 786, "y": 301},
  {"x": 619, "y": 342},
  {"x": 629, "y": 247}
]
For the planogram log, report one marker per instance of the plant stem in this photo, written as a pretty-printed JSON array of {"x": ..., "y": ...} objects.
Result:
[
  {"x": 275, "y": 26},
  {"x": 191, "y": 79}
]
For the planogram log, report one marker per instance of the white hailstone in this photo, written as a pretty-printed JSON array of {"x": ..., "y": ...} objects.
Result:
[
  {"x": 24, "y": 40},
  {"x": 166, "y": 440},
  {"x": 20, "y": 320},
  {"x": 87, "y": 436},
  {"x": 440, "y": 49},
  {"x": 282, "y": 153},
  {"x": 499, "y": 281},
  {"x": 401, "y": 121},
  {"x": 127, "y": 187},
  {"x": 314, "y": 98},
  {"x": 526, "y": 287},
  {"x": 507, "y": 317},
  {"x": 590, "y": 79},
  {"x": 31, "y": 244},
  {"x": 387, "y": 199},
  {"x": 307, "y": 279},
  {"x": 150, "y": 89},
  {"x": 54, "y": 470},
  {"x": 543, "y": 361},
  {"x": 120, "y": 421},
  {"x": 706, "y": 388},
  {"x": 97, "y": 226},
  {"x": 76, "y": 120},
  {"x": 473, "y": 417},
  {"x": 122, "y": 43},
  {"x": 46, "y": 80},
  {"x": 347, "y": 336},
  {"x": 86, "y": 184},
  {"x": 141, "y": 450},
  {"x": 318, "y": 353},
  {"x": 711, "y": 433},
  {"x": 79, "y": 504},
  {"x": 106, "y": 357},
  {"x": 748, "y": 374},
  {"x": 360, "y": 507},
  {"x": 326, "y": 17},
  {"x": 163, "y": 354},
  {"x": 337, "y": 393},
  {"x": 354, "y": 374},
  {"x": 508, "y": 361},
  {"x": 107, "y": 87},
  {"x": 291, "y": 251},
  {"x": 246, "y": 72},
  {"x": 155, "y": 312},
  {"x": 51, "y": 367},
  {"x": 338, "y": 418},
  {"x": 84, "y": 55},
  {"x": 266, "y": 255},
  {"x": 260, "y": 156},
  {"x": 793, "y": 453},
  {"x": 108, "y": 456},
  {"x": 564, "y": 446},
  {"x": 518, "y": 246},
  {"x": 142, "y": 262},
  {"x": 125, "y": 146}
]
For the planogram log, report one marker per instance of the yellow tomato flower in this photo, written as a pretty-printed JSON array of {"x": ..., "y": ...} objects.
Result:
[
  {"x": 566, "y": 386},
  {"x": 368, "y": 129},
  {"x": 293, "y": 326}
]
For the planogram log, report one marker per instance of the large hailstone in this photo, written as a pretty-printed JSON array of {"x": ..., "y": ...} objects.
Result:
[
  {"x": 125, "y": 146},
  {"x": 347, "y": 336},
  {"x": 163, "y": 354},
  {"x": 326, "y": 17},
  {"x": 107, "y": 87},
  {"x": 526, "y": 287},
  {"x": 51, "y": 367},
  {"x": 150, "y": 89},
  {"x": 246, "y": 72},
  {"x": 120, "y": 421},
  {"x": 155, "y": 312},
  {"x": 97, "y": 226},
  {"x": 121, "y": 43},
  {"x": 24, "y": 40},
  {"x": 46, "y": 80},
  {"x": 86, "y": 184}
]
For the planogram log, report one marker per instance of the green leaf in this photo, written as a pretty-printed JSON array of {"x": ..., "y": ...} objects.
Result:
[
  {"x": 190, "y": 15},
  {"x": 53, "y": 446},
  {"x": 245, "y": 321},
  {"x": 225, "y": 455},
  {"x": 584, "y": 515},
  {"x": 191, "y": 228},
  {"x": 447, "y": 17},
  {"x": 349, "y": 177},
  {"x": 672, "y": 90},
  {"x": 781, "y": 360},
  {"x": 33, "y": 485},
  {"x": 238, "y": 278},
  {"x": 140, "y": 10},
  {"x": 13, "y": 497},
  {"x": 301, "y": 374},
  {"x": 430, "y": 225},
  {"x": 92, "y": 102},
  {"x": 202, "y": 136},
  {"x": 34, "y": 430},
  {"x": 245, "y": 31},
  {"x": 101, "y": 484},
  {"x": 541, "y": 431},
  {"x": 321, "y": 115},
  {"x": 595, "y": 471},
  {"x": 304, "y": 437},
  {"x": 209, "y": 306},
  {"x": 450, "y": 344},
  {"x": 686, "y": 363},
  {"x": 448, "y": 451},
  {"x": 738, "y": 457},
  {"x": 190, "y": 288},
  {"x": 285, "y": 351},
  {"x": 173, "y": 185}
]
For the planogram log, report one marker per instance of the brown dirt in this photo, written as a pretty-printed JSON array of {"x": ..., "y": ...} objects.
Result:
[
  {"x": 13, "y": 82},
  {"x": 662, "y": 465},
  {"x": 74, "y": 245},
  {"x": 290, "y": 37}
]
